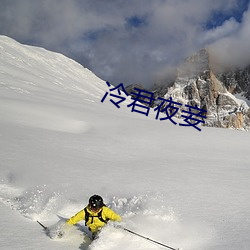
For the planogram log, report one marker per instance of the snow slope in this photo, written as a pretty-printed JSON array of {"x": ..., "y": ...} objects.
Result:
[{"x": 59, "y": 145}]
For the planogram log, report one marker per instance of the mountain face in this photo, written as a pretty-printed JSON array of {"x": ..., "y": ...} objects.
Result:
[
  {"x": 237, "y": 81},
  {"x": 219, "y": 93},
  {"x": 197, "y": 84}
]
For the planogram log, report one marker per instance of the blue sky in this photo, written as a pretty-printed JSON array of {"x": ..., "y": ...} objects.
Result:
[
  {"x": 131, "y": 41},
  {"x": 218, "y": 17}
]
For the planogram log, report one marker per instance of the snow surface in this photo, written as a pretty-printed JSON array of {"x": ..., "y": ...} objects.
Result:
[{"x": 60, "y": 144}]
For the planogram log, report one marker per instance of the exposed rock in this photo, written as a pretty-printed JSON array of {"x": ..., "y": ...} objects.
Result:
[
  {"x": 237, "y": 81},
  {"x": 130, "y": 88},
  {"x": 196, "y": 84},
  {"x": 199, "y": 85}
]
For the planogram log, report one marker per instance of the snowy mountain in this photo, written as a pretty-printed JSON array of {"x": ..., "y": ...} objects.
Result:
[
  {"x": 197, "y": 84},
  {"x": 60, "y": 144},
  {"x": 225, "y": 95}
]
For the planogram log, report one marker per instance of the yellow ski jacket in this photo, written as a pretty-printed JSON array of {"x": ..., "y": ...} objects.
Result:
[{"x": 94, "y": 223}]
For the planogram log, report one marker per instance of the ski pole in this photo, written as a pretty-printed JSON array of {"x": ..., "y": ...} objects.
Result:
[
  {"x": 45, "y": 228},
  {"x": 146, "y": 238}
]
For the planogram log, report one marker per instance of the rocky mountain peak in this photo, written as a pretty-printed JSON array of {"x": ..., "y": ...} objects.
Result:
[
  {"x": 197, "y": 64},
  {"x": 197, "y": 83}
]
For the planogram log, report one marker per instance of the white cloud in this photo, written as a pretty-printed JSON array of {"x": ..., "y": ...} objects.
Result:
[
  {"x": 233, "y": 50},
  {"x": 228, "y": 28},
  {"x": 99, "y": 33}
]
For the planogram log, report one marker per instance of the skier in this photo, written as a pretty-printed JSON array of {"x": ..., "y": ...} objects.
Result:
[{"x": 95, "y": 214}]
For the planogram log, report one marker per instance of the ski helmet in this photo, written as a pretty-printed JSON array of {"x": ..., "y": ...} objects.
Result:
[{"x": 95, "y": 202}]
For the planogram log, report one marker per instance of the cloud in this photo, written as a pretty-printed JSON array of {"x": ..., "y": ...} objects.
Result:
[
  {"x": 233, "y": 49},
  {"x": 228, "y": 28},
  {"x": 125, "y": 41}
]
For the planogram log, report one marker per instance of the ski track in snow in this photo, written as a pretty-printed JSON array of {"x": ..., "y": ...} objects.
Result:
[{"x": 145, "y": 214}]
